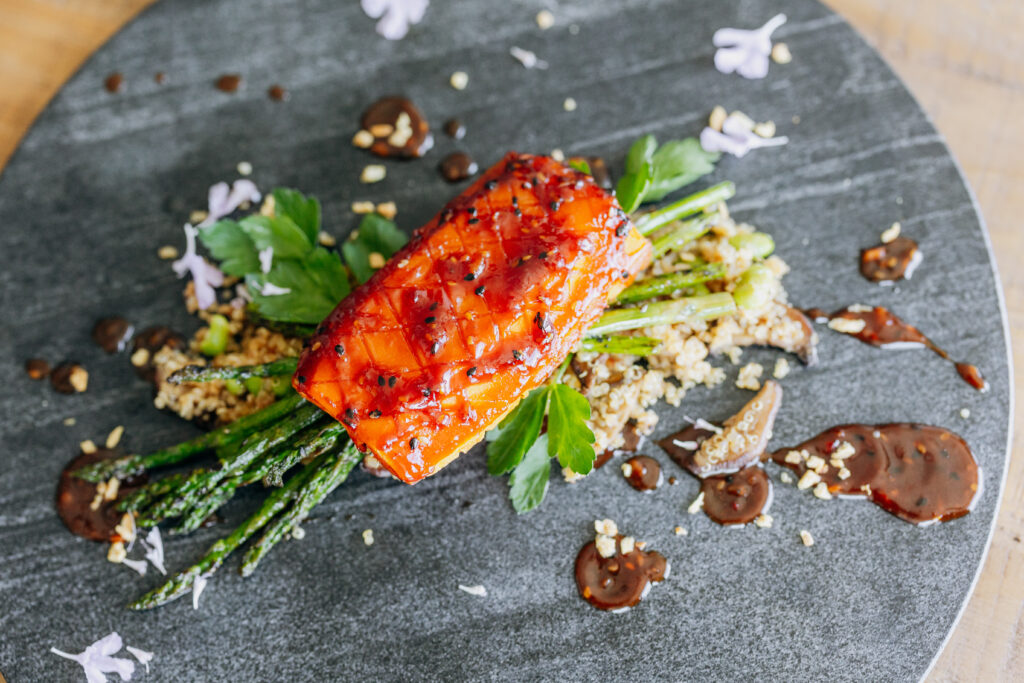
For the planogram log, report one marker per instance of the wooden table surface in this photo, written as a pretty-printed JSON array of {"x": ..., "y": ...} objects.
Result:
[{"x": 964, "y": 60}]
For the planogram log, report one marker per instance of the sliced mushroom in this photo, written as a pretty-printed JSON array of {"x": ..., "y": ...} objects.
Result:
[
  {"x": 743, "y": 438},
  {"x": 805, "y": 345}
]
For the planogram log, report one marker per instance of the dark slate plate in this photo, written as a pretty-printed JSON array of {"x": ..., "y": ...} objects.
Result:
[{"x": 102, "y": 180}]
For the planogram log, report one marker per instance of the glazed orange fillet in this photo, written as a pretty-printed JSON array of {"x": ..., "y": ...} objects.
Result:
[{"x": 480, "y": 307}]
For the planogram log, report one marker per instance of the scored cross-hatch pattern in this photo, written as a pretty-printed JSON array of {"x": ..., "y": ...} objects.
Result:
[{"x": 475, "y": 311}]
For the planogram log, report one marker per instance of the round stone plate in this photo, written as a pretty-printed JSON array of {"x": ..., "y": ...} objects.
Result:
[{"x": 103, "y": 180}]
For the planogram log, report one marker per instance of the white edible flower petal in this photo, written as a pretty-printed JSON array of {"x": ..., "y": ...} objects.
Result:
[
  {"x": 155, "y": 549},
  {"x": 144, "y": 657},
  {"x": 527, "y": 58},
  {"x": 736, "y": 137},
  {"x": 222, "y": 200},
  {"x": 197, "y": 589},
  {"x": 205, "y": 275},
  {"x": 745, "y": 52},
  {"x": 477, "y": 590},
  {"x": 266, "y": 259},
  {"x": 395, "y": 15},
  {"x": 138, "y": 565},
  {"x": 97, "y": 659},
  {"x": 270, "y": 289}
]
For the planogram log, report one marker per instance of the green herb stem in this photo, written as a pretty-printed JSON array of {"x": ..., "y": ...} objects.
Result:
[
  {"x": 704, "y": 307},
  {"x": 655, "y": 220},
  {"x": 668, "y": 284},
  {"x": 200, "y": 373}
]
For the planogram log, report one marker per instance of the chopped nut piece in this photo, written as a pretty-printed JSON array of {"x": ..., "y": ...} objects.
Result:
[
  {"x": 387, "y": 209},
  {"x": 545, "y": 19},
  {"x": 680, "y": 531},
  {"x": 116, "y": 553},
  {"x": 373, "y": 173},
  {"x": 821, "y": 491},
  {"x": 377, "y": 259},
  {"x": 697, "y": 504},
  {"x": 79, "y": 378},
  {"x": 362, "y": 207},
  {"x": 844, "y": 450},
  {"x": 781, "y": 368},
  {"x": 795, "y": 457},
  {"x": 126, "y": 528},
  {"x": 569, "y": 104},
  {"x": 743, "y": 119},
  {"x": 627, "y": 469},
  {"x": 965, "y": 413},
  {"x": 892, "y": 233},
  {"x": 749, "y": 375},
  {"x": 786, "y": 478},
  {"x": 764, "y": 521},
  {"x": 459, "y": 80},
  {"x": 627, "y": 544},
  {"x": 477, "y": 590},
  {"x": 557, "y": 154},
  {"x": 97, "y": 500},
  {"x": 140, "y": 357},
  {"x": 167, "y": 252},
  {"x": 717, "y": 118},
  {"x": 114, "y": 437},
  {"x": 298, "y": 533},
  {"x": 197, "y": 217},
  {"x": 765, "y": 130},
  {"x": 806, "y": 537},
  {"x": 400, "y": 137},
  {"x": 816, "y": 463},
  {"x": 363, "y": 139},
  {"x": 781, "y": 53},
  {"x": 111, "y": 489},
  {"x": 69, "y": 421},
  {"x": 606, "y": 527},
  {"x": 381, "y": 130},
  {"x": 368, "y": 536},
  {"x": 87, "y": 446},
  {"x": 326, "y": 239},
  {"x": 847, "y": 326},
  {"x": 267, "y": 207},
  {"x": 809, "y": 479},
  {"x": 843, "y": 473},
  {"x": 605, "y": 545},
  {"x": 244, "y": 168}
]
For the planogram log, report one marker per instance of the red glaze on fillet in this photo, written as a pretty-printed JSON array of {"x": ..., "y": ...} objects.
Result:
[{"x": 479, "y": 308}]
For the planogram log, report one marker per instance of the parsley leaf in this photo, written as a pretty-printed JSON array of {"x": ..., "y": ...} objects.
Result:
[
  {"x": 517, "y": 432},
  {"x": 303, "y": 211},
  {"x": 529, "y": 480},
  {"x": 653, "y": 172},
  {"x": 229, "y": 244},
  {"x": 316, "y": 283},
  {"x": 569, "y": 438},
  {"x": 376, "y": 234},
  {"x": 279, "y": 232},
  {"x": 678, "y": 163}
]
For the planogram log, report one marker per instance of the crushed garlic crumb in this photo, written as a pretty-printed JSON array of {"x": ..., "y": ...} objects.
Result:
[
  {"x": 362, "y": 207},
  {"x": 605, "y": 545},
  {"x": 627, "y": 544},
  {"x": 809, "y": 479},
  {"x": 167, "y": 252},
  {"x": 717, "y": 118},
  {"x": 373, "y": 173},
  {"x": 781, "y": 54},
  {"x": 459, "y": 80},
  {"x": 363, "y": 139},
  {"x": 387, "y": 209},
  {"x": 87, "y": 447},
  {"x": 116, "y": 553},
  {"x": 892, "y": 233},
  {"x": 115, "y": 435},
  {"x": 764, "y": 521},
  {"x": 79, "y": 378},
  {"x": 606, "y": 527},
  {"x": 821, "y": 491},
  {"x": 806, "y": 537}
]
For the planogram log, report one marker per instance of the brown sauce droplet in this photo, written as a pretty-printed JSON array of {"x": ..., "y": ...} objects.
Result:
[
  {"x": 112, "y": 334},
  {"x": 114, "y": 83},
  {"x": 918, "y": 473},
  {"x": 153, "y": 339},
  {"x": 392, "y": 141},
  {"x": 457, "y": 166},
  {"x": 602, "y": 459},
  {"x": 229, "y": 82},
  {"x": 619, "y": 581},
  {"x": 644, "y": 473},
  {"x": 160, "y": 78},
  {"x": 75, "y": 496},
  {"x": 890, "y": 261},
  {"x": 60, "y": 377},
  {"x": 37, "y": 368},
  {"x": 278, "y": 93},
  {"x": 736, "y": 498},
  {"x": 672, "y": 481},
  {"x": 455, "y": 129},
  {"x": 681, "y": 454},
  {"x": 883, "y": 328}
]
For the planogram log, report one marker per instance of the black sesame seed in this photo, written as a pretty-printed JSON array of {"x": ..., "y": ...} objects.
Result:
[
  {"x": 392, "y": 381},
  {"x": 625, "y": 275},
  {"x": 375, "y": 414},
  {"x": 470, "y": 277},
  {"x": 302, "y": 379},
  {"x": 542, "y": 254},
  {"x": 471, "y": 371},
  {"x": 622, "y": 229},
  {"x": 471, "y": 210},
  {"x": 509, "y": 167},
  {"x": 518, "y": 213},
  {"x": 517, "y": 354},
  {"x": 433, "y": 306},
  {"x": 472, "y": 221},
  {"x": 413, "y": 443},
  {"x": 555, "y": 204},
  {"x": 515, "y": 200},
  {"x": 479, "y": 290},
  {"x": 426, "y": 393},
  {"x": 491, "y": 185},
  {"x": 350, "y": 414},
  {"x": 430, "y": 319},
  {"x": 435, "y": 347},
  {"x": 339, "y": 349},
  {"x": 380, "y": 380}
]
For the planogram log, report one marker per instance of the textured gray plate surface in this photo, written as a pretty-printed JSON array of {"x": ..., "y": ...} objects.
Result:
[{"x": 102, "y": 180}]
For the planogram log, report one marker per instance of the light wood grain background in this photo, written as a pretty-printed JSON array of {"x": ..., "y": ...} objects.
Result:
[{"x": 964, "y": 59}]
